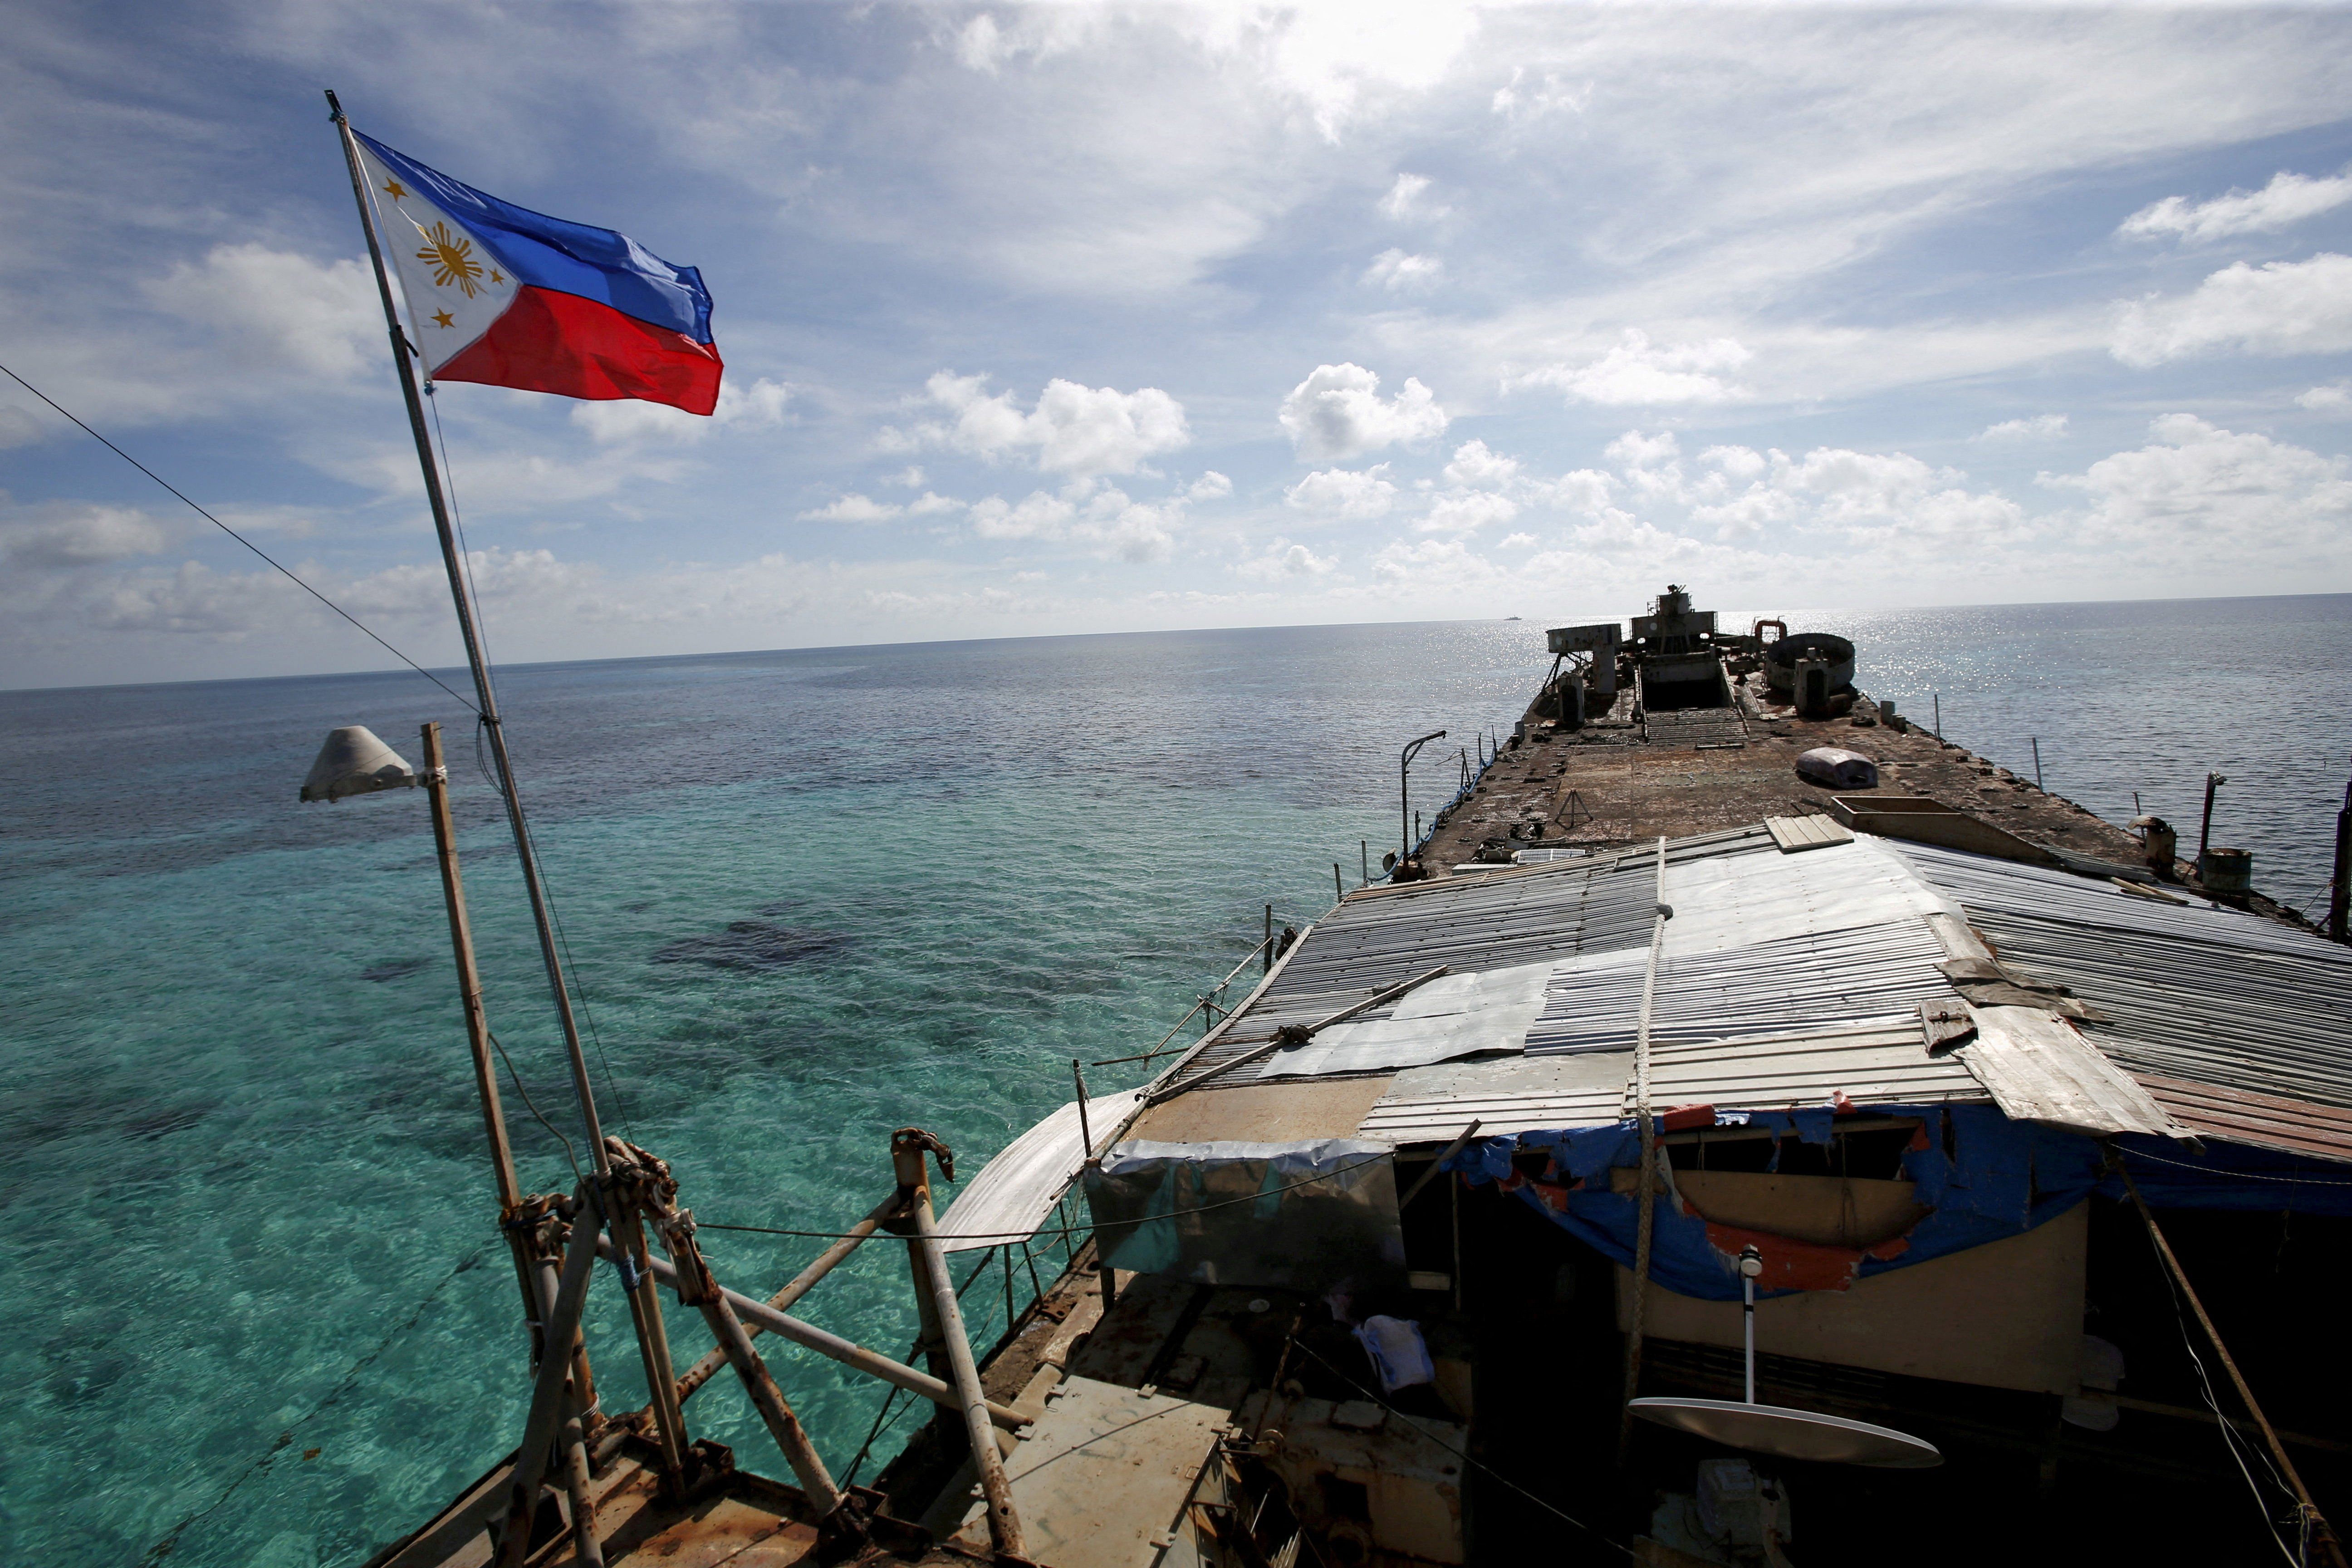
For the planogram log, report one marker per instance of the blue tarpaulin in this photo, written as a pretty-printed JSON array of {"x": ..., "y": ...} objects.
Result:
[{"x": 1979, "y": 1176}]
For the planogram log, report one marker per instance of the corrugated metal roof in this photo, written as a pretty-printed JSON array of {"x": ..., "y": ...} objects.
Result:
[
  {"x": 1472, "y": 925},
  {"x": 2198, "y": 994},
  {"x": 1879, "y": 1061}
]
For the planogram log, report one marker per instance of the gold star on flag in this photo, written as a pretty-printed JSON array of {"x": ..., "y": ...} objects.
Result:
[
  {"x": 496, "y": 276},
  {"x": 444, "y": 318},
  {"x": 395, "y": 189}
]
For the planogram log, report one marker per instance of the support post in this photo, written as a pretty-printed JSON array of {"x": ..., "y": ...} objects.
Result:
[
  {"x": 1339, "y": 887},
  {"x": 550, "y": 1393},
  {"x": 2321, "y": 1535},
  {"x": 1265, "y": 948},
  {"x": 1086, "y": 1132},
  {"x": 1404, "y": 792},
  {"x": 2205, "y": 828},
  {"x": 906, "y": 1151},
  {"x": 1364, "y": 849},
  {"x": 1645, "y": 1220},
  {"x": 478, "y": 1028},
  {"x": 2339, "y": 890},
  {"x": 653, "y": 1340}
]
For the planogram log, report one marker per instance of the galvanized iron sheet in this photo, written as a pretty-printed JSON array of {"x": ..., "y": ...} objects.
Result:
[{"x": 2201, "y": 995}]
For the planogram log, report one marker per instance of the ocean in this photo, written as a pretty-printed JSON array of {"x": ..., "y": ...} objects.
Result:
[{"x": 259, "y": 1309}]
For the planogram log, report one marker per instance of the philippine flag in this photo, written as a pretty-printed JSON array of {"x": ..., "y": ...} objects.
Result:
[{"x": 502, "y": 295}]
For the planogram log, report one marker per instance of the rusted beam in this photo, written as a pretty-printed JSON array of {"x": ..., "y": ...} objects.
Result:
[
  {"x": 800, "y": 1284},
  {"x": 907, "y": 1150},
  {"x": 834, "y": 1347}
]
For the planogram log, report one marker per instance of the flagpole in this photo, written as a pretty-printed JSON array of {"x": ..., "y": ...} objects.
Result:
[{"x": 451, "y": 560}]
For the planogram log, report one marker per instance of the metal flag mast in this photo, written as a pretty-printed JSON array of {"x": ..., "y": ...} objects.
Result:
[
  {"x": 645, "y": 1304},
  {"x": 484, "y": 697}
]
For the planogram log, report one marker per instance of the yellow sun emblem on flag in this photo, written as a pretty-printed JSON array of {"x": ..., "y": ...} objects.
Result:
[{"x": 451, "y": 257}]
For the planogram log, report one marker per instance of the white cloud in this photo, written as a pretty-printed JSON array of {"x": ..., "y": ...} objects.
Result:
[
  {"x": 908, "y": 477},
  {"x": 932, "y": 504},
  {"x": 2279, "y": 308},
  {"x": 1337, "y": 413},
  {"x": 2287, "y": 199},
  {"x": 852, "y": 507},
  {"x": 1518, "y": 541},
  {"x": 1211, "y": 486},
  {"x": 1102, "y": 517},
  {"x": 69, "y": 534},
  {"x": 2333, "y": 399},
  {"x": 1283, "y": 559},
  {"x": 1636, "y": 373},
  {"x": 1398, "y": 272},
  {"x": 1462, "y": 512},
  {"x": 1039, "y": 516},
  {"x": 1336, "y": 53},
  {"x": 2041, "y": 427},
  {"x": 1635, "y": 450},
  {"x": 1474, "y": 467},
  {"x": 1349, "y": 494},
  {"x": 1404, "y": 200},
  {"x": 278, "y": 309},
  {"x": 18, "y": 427},
  {"x": 2197, "y": 488},
  {"x": 1074, "y": 430}
]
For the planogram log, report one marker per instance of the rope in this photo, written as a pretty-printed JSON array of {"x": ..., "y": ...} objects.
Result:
[
  {"x": 516, "y": 1078},
  {"x": 241, "y": 539},
  {"x": 2234, "y": 1175},
  {"x": 164, "y": 1546}
]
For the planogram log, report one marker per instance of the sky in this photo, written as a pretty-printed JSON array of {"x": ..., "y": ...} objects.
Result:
[{"x": 1081, "y": 318}]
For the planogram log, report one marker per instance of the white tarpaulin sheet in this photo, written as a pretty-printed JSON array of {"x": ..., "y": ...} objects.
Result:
[
  {"x": 1014, "y": 1192},
  {"x": 1452, "y": 1016}
]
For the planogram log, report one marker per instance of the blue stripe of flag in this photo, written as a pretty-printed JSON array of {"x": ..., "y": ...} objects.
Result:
[{"x": 571, "y": 257}]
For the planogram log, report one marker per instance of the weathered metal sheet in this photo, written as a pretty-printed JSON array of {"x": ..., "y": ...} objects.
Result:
[
  {"x": 1104, "y": 1475},
  {"x": 1452, "y": 1016},
  {"x": 2040, "y": 1069},
  {"x": 2270, "y": 1119},
  {"x": 1016, "y": 1190},
  {"x": 2201, "y": 994},
  {"x": 1510, "y": 1094},
  {"x": 1880, "y": 1061}
]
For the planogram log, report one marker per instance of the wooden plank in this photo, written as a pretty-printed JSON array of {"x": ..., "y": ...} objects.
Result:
[{"x": 1796, "y": 833}]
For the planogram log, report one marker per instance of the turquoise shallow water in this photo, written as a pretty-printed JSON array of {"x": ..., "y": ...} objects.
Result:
[{"x": 810, "y": 897}]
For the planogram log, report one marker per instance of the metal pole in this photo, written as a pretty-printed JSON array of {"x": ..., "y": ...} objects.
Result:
[
  {"x": 1266, "y": 949},
  {"x": 1647, "y": 1219},
  {"x": 478, "y": 1028},
  {"x": 1404, "y": 792},
  {"x": 1751, "y": 1263},
  {"x": 2037, "y": 765},
  {"x": 1339, "y": 885},
  {"x": 2205, "y": 828},
  {"x": 2322, "y": 1535},
  {"x": 1004, "y": 1523},
  {"x": 2339, "y": 891},
  {"x": 454, "y": 565},
  {"x": 1364, "y": 848},
  {"x": 1086, "y": 1132},
  {"x": 1939, "y": 715}
]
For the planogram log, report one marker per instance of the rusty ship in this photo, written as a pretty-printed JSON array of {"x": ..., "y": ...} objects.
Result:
[{"x": 1742, "y": 1128}]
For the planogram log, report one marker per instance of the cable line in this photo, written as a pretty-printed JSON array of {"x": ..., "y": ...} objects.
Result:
[{"x": 241, "y": 539}]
